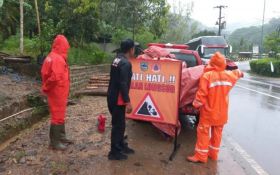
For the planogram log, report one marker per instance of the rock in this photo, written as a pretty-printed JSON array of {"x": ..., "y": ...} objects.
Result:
[
  {"x": 22, "y": 160},
  {"x": 33, "y": 162},
  {"x": 71, "y": 162},
  {"x": 15, "y": 160},
  {"x": 2, "y": 169},
  {"x": 3, "y": 159},
  {"x": 42, "y": 159},
  {"x": 19, "y": 148},
  {"x": 23, "y": 145},
  {"x": 165, "y": 162},
  {"x": 70, "y": 151},
  {"x": 44, "y": 171},
  {"x": 137, "y": 164},
  {"x": 81, "y": 147},
  {"x": 31, "y": 153},
  {"x": 31, "y": 158},
  {"x": 96, "y": 138},
  {"x": 10, "y": 70}
]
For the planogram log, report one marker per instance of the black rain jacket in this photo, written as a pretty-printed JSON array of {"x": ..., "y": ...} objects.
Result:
[{"x": 120, "y": 79}]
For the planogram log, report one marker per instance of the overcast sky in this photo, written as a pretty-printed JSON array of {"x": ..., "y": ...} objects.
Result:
[{"x": 239, "y": 12}]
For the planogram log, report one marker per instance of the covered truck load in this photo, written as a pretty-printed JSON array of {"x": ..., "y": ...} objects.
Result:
[{"x": 189, "y": 84}]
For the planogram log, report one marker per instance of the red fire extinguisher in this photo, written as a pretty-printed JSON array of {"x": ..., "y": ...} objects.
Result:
[{"x": 101, "y": 123}]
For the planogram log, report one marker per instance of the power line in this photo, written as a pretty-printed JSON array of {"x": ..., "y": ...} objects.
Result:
[{"x": 220, "y": 23}]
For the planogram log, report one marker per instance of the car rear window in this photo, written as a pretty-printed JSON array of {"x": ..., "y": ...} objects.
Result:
[{"x": 188, "y": 58}]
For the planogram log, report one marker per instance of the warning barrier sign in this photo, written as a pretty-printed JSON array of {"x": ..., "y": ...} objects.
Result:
[
  {"x": 147, "y": 108},
  {"x": 154, "y": 91}
]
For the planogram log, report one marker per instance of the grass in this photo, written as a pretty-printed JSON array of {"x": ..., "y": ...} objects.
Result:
[
  {"x": 88, "y": 54},
  {"x": 11, "y": 46},
  {"x": 19, "y": 155}
]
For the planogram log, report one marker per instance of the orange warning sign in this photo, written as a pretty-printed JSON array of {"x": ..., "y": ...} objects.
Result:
[
  {"x": 154, "y": 91},
  {"x": 147, "y": 108}
]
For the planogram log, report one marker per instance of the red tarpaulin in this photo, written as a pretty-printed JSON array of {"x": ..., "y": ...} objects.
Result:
[{"x": 189, "y": 81}]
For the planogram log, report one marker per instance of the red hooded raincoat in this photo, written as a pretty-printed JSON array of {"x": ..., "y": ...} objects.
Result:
[{"x": 56, "y": 80}]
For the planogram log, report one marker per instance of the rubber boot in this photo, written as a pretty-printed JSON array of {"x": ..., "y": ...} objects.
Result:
[
  {"x": 55, "y": 142},
  {"x": 63, "y": 137},
  {"x": 125, "y": 149},
  {"x": 117, "y": 156},
  {"x": 116, "y": 153},
  {"x": 213, "y": 156},
  {"x": 195, "y": 159}
]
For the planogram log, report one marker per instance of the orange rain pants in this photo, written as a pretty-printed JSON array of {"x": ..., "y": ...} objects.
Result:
[{"x": 208, "y": 145}]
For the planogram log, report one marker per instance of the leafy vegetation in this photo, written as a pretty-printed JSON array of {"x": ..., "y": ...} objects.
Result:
[
  {"x": 204, "y": 33},
  {"x": 11, "y": 45},
  {"x": 88, "y": 54},
  {"x": 87, "y": 22},
  {"x": 243, "y": 39},
  {"x": 272, "y": 43},
  {"x": 263, "y": 67},
  {"x": 181, "y": 27},
  {"x": 81, "y": 55}
]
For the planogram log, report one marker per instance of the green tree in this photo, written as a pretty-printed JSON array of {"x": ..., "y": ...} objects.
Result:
[
  {"x": 9, "y": 18},
  {"x": 136, "y": 15},
  {"x": 252, "y": 34},
  {"x": 180, "y": 27},
  {"x": 272, "y": 42},
  {"x": 204, "y": 33}
]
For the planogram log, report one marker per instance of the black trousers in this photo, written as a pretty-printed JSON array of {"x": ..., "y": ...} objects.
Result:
[{"x": 118, "y": 128}]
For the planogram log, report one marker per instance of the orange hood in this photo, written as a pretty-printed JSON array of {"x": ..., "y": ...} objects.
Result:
[
  {"x": 61, "y": 46},
  {"x": 217, "y": 62}
]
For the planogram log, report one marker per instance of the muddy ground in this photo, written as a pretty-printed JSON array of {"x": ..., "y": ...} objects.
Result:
[
  {"x": 28, "y": 154},
  {"x": 13, "y": 86}
]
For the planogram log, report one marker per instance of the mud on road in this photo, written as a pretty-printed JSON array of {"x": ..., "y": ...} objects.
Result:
[
  {"x": 10, "y": 88},
  {"x": 29, "y": 154}
]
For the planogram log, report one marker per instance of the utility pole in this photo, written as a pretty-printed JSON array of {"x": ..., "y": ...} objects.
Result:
[
  {"x": 220, "y": 23},
  {"x": 261, "y": 47},
  {"x": 1, "y": 3},
  {"x": 133, "y": 26},
  {"x": 38, "y": 17},
  {"x": 21, "y": 26}
]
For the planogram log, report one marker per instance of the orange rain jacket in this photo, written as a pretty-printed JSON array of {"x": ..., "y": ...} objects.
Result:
[
  {"x": 212, "y": 96},
  {"x": 55, "y": 77}
]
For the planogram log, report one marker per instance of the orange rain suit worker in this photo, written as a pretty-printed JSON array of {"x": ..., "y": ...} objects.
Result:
[
  {"x": 212, "y": 99},
  {"x": 56, "y": 82}
]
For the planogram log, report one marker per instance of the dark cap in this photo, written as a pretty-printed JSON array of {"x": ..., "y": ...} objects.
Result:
[{"x": 126, "y": 45}]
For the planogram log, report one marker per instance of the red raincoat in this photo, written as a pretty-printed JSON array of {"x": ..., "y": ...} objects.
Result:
[{"x": 56, "y": 80}]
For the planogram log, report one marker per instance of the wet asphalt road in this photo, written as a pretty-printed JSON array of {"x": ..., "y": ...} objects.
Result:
[{"x": 255, "y": 120}]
